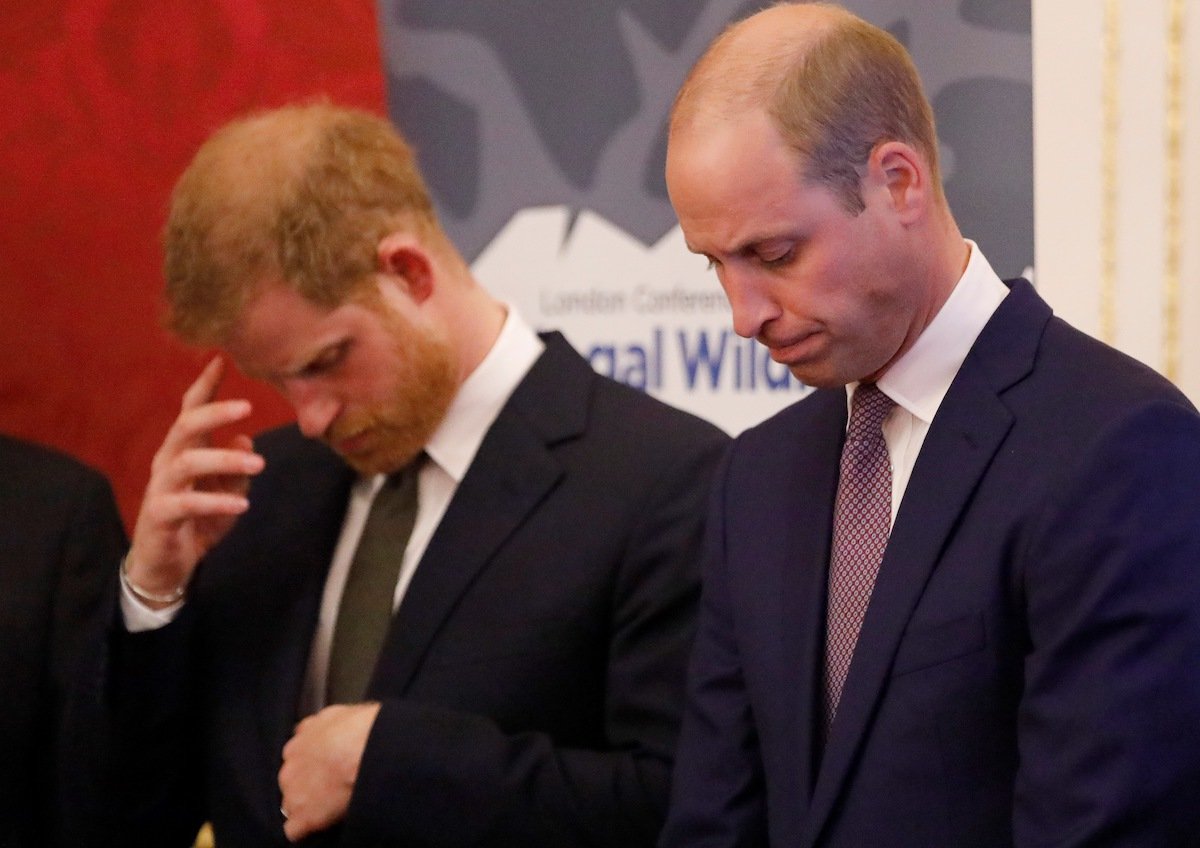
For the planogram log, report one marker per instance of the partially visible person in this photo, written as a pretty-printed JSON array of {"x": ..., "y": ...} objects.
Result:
[
  {"x": 60, "y": 538},
  {"x": 452, "y": 605},
  {"x": 951, "y": 597}
]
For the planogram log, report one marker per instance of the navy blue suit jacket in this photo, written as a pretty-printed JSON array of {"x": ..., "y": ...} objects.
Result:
[
  {"x": 532, "y": 680},
  {"x": 1028, "y": 672}
]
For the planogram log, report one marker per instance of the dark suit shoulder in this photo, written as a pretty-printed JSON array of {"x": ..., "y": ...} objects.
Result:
[
  {"x": 288, "y": 444},
  {"x": 302, "y": 479},
  {"x": 1081, "y": 402},
  {"x": 1098, "y": 372},
  {"x": 32, "y": 470},
  {"x": 796, "y": 426},
  {"x": 48, "y": 498},
  {"x": 297, "y": 468},
  {"x": 1040, "y": 366},
  {"x": 647, "y": 417},
  {"x": 562, "y": 392}
]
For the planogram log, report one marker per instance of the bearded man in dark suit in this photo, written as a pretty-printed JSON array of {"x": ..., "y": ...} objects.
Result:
[{"x": 523, "y": 683}]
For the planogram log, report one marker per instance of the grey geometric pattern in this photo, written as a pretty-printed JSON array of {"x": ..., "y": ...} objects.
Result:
[
  {"x": 515, "y": 104},
  {"x": 861, "y": 524}
]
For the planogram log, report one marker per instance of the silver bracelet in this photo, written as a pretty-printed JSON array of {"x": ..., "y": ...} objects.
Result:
[{"x": 172, "y": 597}]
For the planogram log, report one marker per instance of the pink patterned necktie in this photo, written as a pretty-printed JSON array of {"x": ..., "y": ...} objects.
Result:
[{"x": 861, "y": 524}]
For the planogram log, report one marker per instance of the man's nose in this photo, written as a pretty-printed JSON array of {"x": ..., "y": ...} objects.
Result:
[
  {"x": 315, "y": 409},
  {"x": 751, "y": 307}
]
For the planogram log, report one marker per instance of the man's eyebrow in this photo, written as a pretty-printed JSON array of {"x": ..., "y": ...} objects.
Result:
[
  {"x": 315, "y": 356},
  {"x": 753, "y": 243},
  {"x": 299, "y": 366},
  {"x": 750, "y": 243}
]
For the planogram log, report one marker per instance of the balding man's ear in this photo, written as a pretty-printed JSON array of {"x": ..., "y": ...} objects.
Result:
[
  {"x": 900, "y": 170},
  {"x": 405, "y": 260}
]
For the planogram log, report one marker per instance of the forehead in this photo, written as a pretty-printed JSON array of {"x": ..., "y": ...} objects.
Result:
[
  {"x": 280, "y": 329},
  {"x": 735, "y": 181}
]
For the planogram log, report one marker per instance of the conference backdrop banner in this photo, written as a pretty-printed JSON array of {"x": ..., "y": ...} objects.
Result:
[{"x": 541, "y": 128}]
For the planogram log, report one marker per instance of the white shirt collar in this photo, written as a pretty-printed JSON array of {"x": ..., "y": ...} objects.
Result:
[
  {"x": 919, "y": 379},
  {"x": 483, "y": 394}
]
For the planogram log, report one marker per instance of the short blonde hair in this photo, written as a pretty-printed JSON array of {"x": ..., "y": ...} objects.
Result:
[
  {"x": 833, "y": 84},
  {"x": 301, "y": 195},
  {"x": 854, "y": 88}
]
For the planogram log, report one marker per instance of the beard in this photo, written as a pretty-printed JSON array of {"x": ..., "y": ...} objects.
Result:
[{"x": 389, "y": 434}]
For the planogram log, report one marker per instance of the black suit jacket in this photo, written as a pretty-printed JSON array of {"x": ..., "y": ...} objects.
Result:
[
  {"x": 60, "y": 540},
  {"x": 1028, "y": 671},
  {"x": 532, "y": 680}
]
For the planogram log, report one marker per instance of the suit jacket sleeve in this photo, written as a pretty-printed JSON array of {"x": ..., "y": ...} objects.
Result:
[
  {"x": 157, "y": 703},
  {"x": 433, "y": 775},
  {"x": 151, "y": 715},
  {"x": 139, "y": 710},
  {"x": 1108, "y": 749}
]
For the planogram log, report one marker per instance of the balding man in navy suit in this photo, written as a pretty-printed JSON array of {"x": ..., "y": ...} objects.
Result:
[{"x": 974, "y": 618}]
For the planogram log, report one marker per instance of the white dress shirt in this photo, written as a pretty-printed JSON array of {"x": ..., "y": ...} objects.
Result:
[{"x": 919, "y": 379}]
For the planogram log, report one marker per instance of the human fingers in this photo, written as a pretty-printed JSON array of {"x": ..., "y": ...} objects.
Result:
[
  {"x": 301, "y": 787},
  {"x": 195, "y": 424},
  {"x": 205, "y": 386},
  {"x": 241, "y": 442},
  {"x": 169, "y": 511},
  {"x": 235, "y": 483},
  {"x": 289, "y": 804},
  {"x": 166, "y": 543},
  {"x": 193, "y": 484},
  {"x": 210, "y": 469}
]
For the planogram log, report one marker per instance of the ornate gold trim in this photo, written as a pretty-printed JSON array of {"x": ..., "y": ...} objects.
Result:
[
  {"x": 1109, "y": 188},
  {"x": 1173, "y": 190}
]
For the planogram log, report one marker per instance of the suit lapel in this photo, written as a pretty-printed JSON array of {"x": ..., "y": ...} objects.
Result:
[
  {"x": 969, "y": 428},
  {"x": 800, "y": 567},
  {"x": 511, "y": 474},
  {"x": 294, "y": 551}
]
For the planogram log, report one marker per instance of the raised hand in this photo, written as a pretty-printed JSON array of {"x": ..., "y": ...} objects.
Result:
[{"x": 196, "y": 491}]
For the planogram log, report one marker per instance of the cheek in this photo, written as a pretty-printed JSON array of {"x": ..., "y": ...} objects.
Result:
[
  {"x": 371, "y": 377},
  {"x": 816, "y": 289}
]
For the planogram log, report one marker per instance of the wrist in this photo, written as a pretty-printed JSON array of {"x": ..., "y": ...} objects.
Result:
[{"x": 149, "y": 596}]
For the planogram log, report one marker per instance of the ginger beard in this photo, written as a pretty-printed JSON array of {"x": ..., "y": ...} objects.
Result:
[{"x": 390, "y": 433}]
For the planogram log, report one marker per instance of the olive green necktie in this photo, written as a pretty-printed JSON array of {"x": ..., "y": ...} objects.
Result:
[{"x": 366, "y": 607}]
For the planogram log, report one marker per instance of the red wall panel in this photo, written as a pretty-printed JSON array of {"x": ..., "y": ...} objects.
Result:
[{"x": 102, "y": 103}]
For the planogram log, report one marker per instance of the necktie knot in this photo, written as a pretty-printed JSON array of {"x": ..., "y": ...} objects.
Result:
[{"x": 868, "y": 408}]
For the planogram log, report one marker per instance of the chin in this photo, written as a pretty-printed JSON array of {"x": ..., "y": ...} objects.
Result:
[
  {"x": 815, "y": 378},
  {"x": 386, "y": 460},
  {"x": 370, "y": 466}
]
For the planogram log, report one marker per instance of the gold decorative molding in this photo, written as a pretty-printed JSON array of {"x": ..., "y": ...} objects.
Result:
[
  {"x": 1173, "y": 189},
  {"x": 1109, "y": 173}
]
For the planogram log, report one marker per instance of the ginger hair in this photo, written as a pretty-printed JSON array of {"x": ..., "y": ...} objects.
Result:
[{"x": 300, "y": 195}]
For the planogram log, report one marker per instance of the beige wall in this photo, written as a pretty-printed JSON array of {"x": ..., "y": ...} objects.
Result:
[{"x": 1105, "y": 174}]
